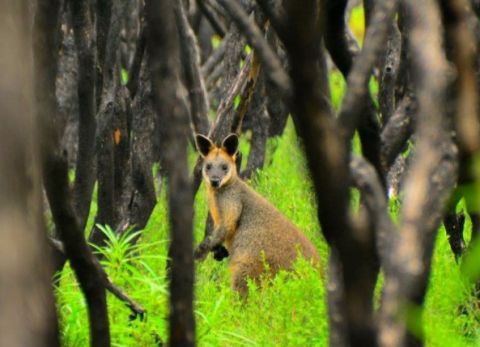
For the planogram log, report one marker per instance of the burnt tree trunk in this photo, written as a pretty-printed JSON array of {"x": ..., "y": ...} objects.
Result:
[
  {"x": 428, "y": 183},
  {"x": 167, "y": 93}
]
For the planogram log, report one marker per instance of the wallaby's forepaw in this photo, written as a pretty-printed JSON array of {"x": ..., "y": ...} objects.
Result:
[{"x": 219, "y": 253}]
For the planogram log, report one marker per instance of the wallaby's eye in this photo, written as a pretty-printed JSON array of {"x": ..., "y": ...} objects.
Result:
[
  {"x": 224, "y": 167},
  {"x": 208, "y": 166}
]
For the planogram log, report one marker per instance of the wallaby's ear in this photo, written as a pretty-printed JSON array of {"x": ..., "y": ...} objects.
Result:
[
  {"x": 204, "y": 144},
  {"x": 230, "y": 144}
]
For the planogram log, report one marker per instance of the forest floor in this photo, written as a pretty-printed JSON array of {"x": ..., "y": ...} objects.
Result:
[{"x": 290, "y": 310}]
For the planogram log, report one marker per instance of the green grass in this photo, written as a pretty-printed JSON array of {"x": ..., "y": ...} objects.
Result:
[{"x": 289, "y": 311}]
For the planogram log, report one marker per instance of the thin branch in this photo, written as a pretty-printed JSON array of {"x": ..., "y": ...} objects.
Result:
[{"x": 136, "y": 309}]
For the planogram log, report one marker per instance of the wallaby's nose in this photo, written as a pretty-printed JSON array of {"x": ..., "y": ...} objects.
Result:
[{"x": 215, "y": 182}]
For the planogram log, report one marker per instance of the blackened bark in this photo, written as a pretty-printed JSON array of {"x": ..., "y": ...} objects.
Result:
[
  {"x": 167, "y": 90},
  {"x": 27, "y": 317},
  {"x": 85, "y": 168}
]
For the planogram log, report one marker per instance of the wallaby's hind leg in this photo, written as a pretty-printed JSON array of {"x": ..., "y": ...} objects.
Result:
[{"x": 242, "y": 268}]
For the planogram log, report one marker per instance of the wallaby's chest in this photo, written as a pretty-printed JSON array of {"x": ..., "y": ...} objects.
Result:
[{"x": 222, "y": 205}]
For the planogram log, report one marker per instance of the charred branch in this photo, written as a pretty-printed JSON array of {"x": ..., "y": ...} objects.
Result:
[
  {"x": 85, "y": 169},
  {"x": 136, "y": 309},
  {"x": 83, "y": 262}
]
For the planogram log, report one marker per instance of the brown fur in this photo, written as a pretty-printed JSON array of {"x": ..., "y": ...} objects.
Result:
[{"x": 252, "y": 229}]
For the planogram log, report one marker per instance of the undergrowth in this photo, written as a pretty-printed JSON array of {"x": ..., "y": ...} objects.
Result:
[{"x": 290, "y": 310}]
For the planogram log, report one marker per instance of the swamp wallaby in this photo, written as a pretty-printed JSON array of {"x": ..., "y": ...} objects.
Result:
[{"x": 253, "y": 231}]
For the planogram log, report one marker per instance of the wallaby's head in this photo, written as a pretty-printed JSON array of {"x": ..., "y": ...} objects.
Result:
[{"x": 219, "y": 167}]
